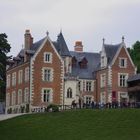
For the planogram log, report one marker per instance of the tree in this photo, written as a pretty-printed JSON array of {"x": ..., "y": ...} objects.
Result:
[
  {"x": 135, "y": 54},
  {"x": 4, "y": 49}
]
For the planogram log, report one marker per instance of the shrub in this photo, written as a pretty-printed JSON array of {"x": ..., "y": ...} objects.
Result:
[{"x": 53, "y": 108}]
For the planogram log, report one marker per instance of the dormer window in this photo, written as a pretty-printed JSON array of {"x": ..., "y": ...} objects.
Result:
[
  {"x": 103, "y": 61},
  {"x": 48, "y": 57},
  {"x": 123, "y": 62},
  {"x": 83, "y": 63}
]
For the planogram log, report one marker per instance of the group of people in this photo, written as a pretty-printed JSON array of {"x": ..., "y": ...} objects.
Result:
[{"x": 100, "y": 105}]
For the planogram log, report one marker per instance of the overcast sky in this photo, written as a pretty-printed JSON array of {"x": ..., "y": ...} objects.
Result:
[{"x": 85, "y": 20}]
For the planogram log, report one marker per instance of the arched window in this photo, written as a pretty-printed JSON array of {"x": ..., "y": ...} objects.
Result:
[{"x": 69, "y": 93}]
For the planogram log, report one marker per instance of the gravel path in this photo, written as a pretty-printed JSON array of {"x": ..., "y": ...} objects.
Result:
[{"x": 8, "y": 116}]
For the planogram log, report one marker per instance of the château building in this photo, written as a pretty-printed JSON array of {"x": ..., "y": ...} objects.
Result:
[{"x": 47, "y": 72}]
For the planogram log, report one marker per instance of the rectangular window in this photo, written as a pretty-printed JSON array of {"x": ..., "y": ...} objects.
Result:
[
  {"x": 88, "y": 100},
  {"x": 8, "y": 99},
  {"x": 27, "y": 74},
  {"x": 26, "y": 95},
  {"x": 123, "y": 62},
  {"x": 123, "y": 80},
  {"x": 102, "y": 97},
  {"x": 48, "y": 57},
  {"x": 8, "y": 80},
  {"x": 19, "y": 96},
  {"x": 20, "y": 76},
  {"x": 47, "y": 74},
  {"x": 103, "y": 80},
  {"x": 88, "y": 86},
  {"x": 46, "y": 94},
  {"x": 14, "y": 79},
  {"x": 13, "y": 98}
]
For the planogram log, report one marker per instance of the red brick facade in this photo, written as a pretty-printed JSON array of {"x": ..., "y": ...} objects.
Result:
[{"x": 59, "y": 76}]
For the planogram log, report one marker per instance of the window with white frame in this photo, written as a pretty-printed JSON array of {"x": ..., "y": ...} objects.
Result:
[
  {"x": 46, "y": 95},
  {"x": 13, "y": 98},
  {"x": 8, "y": 99},
  {"x": 26, "y": 95},
  {"x": 26, "y": 74},
  {"x": 69, "y": 93},
  {"x": 88, "y": 100},
  {"x": 103, "y": 61},
  {"x": 88, "y": 85},
  {"x": 8, "y": 80},
  {"x": 48, "y": 57},
  {"x": 102, "y": 97},
  {"x": 103, "y": 80},
  {"x": 19, "y": 96},
  {"x": 123, "y": 62},
  {"x": 14, "y": 79},
  {"x": 122, "y": 79},
  {"x": 47, "y": 74},
  {"x": 20, "y": 76}
]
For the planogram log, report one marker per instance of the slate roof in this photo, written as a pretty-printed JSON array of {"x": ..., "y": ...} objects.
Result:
[
  {"x": 61, "y": 46},
  {"x": 135, "y": 77},
  {"x": 93, "y": 61},
  {"x": 111, "y": 51}
]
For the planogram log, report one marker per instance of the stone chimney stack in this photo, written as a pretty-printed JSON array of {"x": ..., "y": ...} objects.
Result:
[
  {"x": 28, "y": 40},
  {"x": 78, "y": 46}
]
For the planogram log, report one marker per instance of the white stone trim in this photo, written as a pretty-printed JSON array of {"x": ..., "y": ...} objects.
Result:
[
  {"x": 103, "y": 80},
  {"x": 7, "y": 99},
  {"x": 51, "y": 72},
  {"x": 125, "y": 62},
  {"x": 14, "y": 78},
  {"x": 116, "y": 55},
  {"x": 126, "y": 74},
  {"x": 20, "y": 76},
  {"x": 19, "y": 99},
  {"x": 119, "y": 95},
  {"x": 103, "y": 97},
  {"x": 26, "y": 74},
  {"x": 51, "y": 94},
  {"x": 51, "y": 58},
  {"x": 32, "y": 68},
  {"x": 8, "y": 81}
]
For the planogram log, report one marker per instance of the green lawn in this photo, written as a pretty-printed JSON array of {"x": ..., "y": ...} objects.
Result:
[{"x": 119, "y": 124}]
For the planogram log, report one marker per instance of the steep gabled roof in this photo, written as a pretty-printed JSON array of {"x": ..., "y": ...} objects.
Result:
[
  {"x": 61, "y": 46},
  {"x": 93, "y": 61},
  {"x": 111, "y": 51},
  {"x": 37, "y": 44}
]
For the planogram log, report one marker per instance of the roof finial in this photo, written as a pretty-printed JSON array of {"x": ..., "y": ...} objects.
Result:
[
  {"x": 61, "y": 30},
  {"x": 47, "y": 33},
  {"x": 103, "y": 41},
  {"x": 123, "y": 39}
]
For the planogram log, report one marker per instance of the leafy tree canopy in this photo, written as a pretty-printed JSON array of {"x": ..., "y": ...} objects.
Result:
[
  {"x": 4, "y": 49},
  {"x": 135, "y": 54}
]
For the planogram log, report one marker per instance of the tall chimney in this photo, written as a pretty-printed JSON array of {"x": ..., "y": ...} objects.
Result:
[
  {"x": 28, "y": 40},
  {"x": 78, "y": 46}
]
